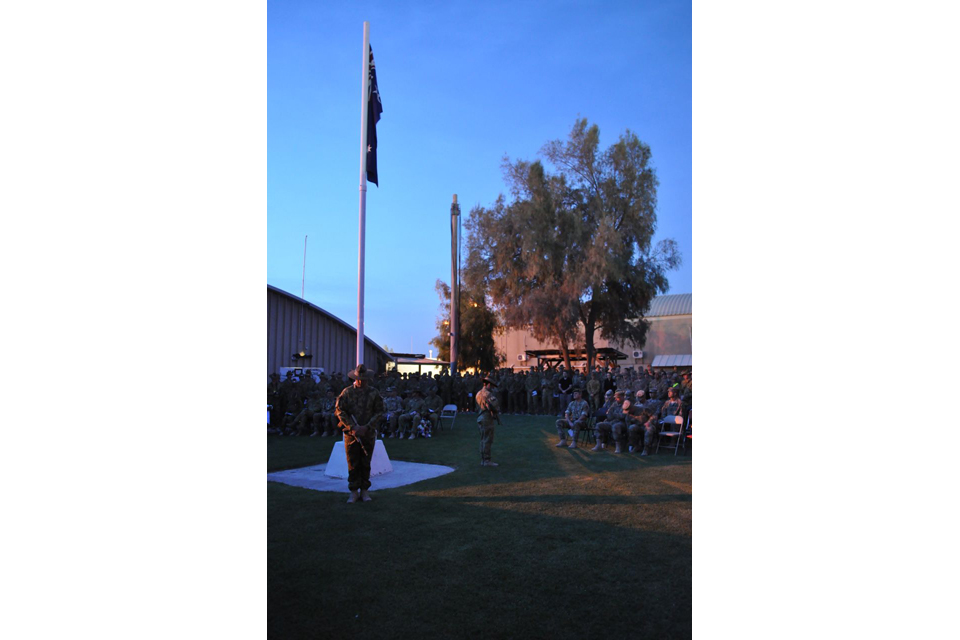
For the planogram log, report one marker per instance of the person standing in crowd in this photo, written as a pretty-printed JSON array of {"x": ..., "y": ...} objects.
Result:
[
  {"x": 532, "y": 384},
  {"x": 359, "y": 410},
  {"x": 489, "y": 408},
  {"x": 575, "y": 418},
  {"x": 564, "y": 386},
  {"x": 593, "y": 391}
]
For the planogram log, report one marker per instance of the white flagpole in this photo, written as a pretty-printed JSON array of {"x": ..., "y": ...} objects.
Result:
[{"x": 363, "y": 183}]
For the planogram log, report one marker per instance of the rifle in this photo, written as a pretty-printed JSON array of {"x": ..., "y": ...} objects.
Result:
[{"x": 357, "y": 437}]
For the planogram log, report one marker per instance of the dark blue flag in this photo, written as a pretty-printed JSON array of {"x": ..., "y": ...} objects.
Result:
[{"x": 374, "y": 109}]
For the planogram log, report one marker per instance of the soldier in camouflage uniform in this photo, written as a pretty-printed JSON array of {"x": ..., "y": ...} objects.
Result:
[
  {"x": 393, "y": 407},
  {"x": 412, "y": 414},
  {"x": 604, "y": 435},
  {"x": 575, "y": 417},
  {"x": 489, "y": 408},
  {"x": 326, "y": 426},
  {"x": 433, "y": 405},
  {"x": 275, "y": 402},
  {"x": 642, "y": 425},
  {"x": 548, "y": 388},
  {"x": 532, "y": 384},
  {"x": 359, "y": 410},
  {"x": 593, "y": 391},
  {"x": 614, "y": 423}
]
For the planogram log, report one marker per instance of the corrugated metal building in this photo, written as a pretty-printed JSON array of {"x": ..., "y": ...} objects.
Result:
[
  {"x": 328, "y": 343},
  {"x": 670, "y": 334}
]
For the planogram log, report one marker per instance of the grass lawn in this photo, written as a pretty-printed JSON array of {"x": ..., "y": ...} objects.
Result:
[{"x": 554, "y": 543}]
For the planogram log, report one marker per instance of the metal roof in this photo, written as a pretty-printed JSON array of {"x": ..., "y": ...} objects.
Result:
[
  {"x": 678, "y": 304},
  {"x": 673, "y": 361},
  {"x": 366, "y": 338}
]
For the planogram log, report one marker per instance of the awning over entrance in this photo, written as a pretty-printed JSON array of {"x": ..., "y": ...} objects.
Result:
[
  {"x": 555, "y": 355},
  {"x": 673, "y": 361}
]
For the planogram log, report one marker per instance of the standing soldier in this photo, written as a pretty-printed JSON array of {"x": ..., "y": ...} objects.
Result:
[
  {"x": 548, "y": 388},
  {"x": 359, "y": 410},
  {"x": 532, "y": 384},
  {"x": 575, "y": 417},
  {"x": 489, "y": 408},
  {"x": 593, "y": 391}
]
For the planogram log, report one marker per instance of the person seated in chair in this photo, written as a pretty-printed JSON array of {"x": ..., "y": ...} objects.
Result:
[
  {"x": 613, "y": 420},
  {"x": 413, "y": 413},
  {"x": 433, "y": 405},
  {"x": 393, "y": 408},
  {"x": 575, "y": 417}
]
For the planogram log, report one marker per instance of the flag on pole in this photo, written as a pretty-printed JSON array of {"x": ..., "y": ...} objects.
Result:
[{"x": 374, "y": 109}]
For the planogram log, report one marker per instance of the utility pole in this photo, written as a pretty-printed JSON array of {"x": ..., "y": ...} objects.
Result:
[{"x": 454, "y": 282}]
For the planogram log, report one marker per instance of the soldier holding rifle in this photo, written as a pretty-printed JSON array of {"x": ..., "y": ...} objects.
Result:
[
  {"x": 489, "y": 408},
  {"x": 359, "y": 410}
]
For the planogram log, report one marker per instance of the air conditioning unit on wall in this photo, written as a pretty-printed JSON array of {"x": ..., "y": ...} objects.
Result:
[
  {"x": 522, "y": 357},
  {"x": 637, "y": 354}
]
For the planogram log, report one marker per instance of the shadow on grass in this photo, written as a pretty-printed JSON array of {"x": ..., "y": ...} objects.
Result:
[
  {"x": 424, "y": 567},
  {"x": 555, "y": 543}
]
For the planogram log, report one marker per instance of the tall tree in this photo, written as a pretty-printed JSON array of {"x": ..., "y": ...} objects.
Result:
[
  {"x": 572, "y": 251},
  {"x": 478, "y": 322}
]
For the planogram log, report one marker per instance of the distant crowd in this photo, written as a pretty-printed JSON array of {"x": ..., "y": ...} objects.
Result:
[{"x": 305, "y": 405}]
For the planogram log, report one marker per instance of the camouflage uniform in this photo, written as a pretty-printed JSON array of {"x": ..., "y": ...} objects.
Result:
[
  {"x": 412, "y": 415},
  {"x": 532, "y": 384},
  {"x": 614, "y": 423},
  {"x": 366, "y": 406},
  {"x": 603, "y": 429},
  {"x": 393, "y": 407},
  {"x": 433, "y": 405},
  {"x": 489, "y": 408},
  {"x": 328, "y": 416},
  {"x": 548, "y": 388},
  {"x": 593, "y": 391},
  {"x": 575, "y": 417}
]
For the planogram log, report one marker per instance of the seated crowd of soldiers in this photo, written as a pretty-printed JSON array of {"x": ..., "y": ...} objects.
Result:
[{"x": 628, "y": 404}]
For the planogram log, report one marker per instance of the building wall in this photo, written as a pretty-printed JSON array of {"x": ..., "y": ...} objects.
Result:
[
  {"x": 331, "y": 343},
  {"x": 667, "y": 335}
]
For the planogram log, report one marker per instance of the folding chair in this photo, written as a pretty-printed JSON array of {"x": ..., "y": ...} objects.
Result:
[
  {"x": 589, "y": 431},
  {"x": 670, "y": 427},
  {"x": 449, "y": 411},
  {"x": 687, "y": 431}
]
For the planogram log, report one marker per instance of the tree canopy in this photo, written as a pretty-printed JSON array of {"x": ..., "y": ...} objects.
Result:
[{"x": 571, "y": 253}]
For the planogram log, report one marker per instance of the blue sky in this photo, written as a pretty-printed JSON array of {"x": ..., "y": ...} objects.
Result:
[{"x": 462, "y": 84}]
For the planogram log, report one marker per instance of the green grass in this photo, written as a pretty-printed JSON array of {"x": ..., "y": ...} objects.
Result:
[{"x": 554, "y": 543}]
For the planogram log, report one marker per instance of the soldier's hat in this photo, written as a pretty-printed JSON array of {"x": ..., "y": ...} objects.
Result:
[
  {"x": 361, "y": 373},
  {"x": 391, "y": 389},
  {"x": 577, "y": 390},
  {"x": 609, "y": 392},
  {"x": 488, "y": 381},
  {"x": 640, "y": 392},
  {"x": 417, "y": 392},
  {"x": 274, "y": 375},
  {"x": 619, "y": 392}
]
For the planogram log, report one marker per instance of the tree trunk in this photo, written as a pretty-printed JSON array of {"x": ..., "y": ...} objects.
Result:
[
  {"x": 566, "y": 354},
  {"x": 589, "y": 330}
]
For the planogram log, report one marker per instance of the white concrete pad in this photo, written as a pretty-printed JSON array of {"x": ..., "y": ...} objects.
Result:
[
  {"x": 315, "y": 478},
  {"x": 337, "y": 464}
]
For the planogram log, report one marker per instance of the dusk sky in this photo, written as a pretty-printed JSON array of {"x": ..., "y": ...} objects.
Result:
[{"x": 462, "y": 85}]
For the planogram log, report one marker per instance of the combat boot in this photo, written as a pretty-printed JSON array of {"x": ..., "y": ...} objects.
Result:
[
  {"x": 353, "y": 497},
  {"x": 562, "y": 443},
  {"x": 598, "y": 447},
  {"x": 618, "y": 448},
  {"x": 364, "y": 496}
]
